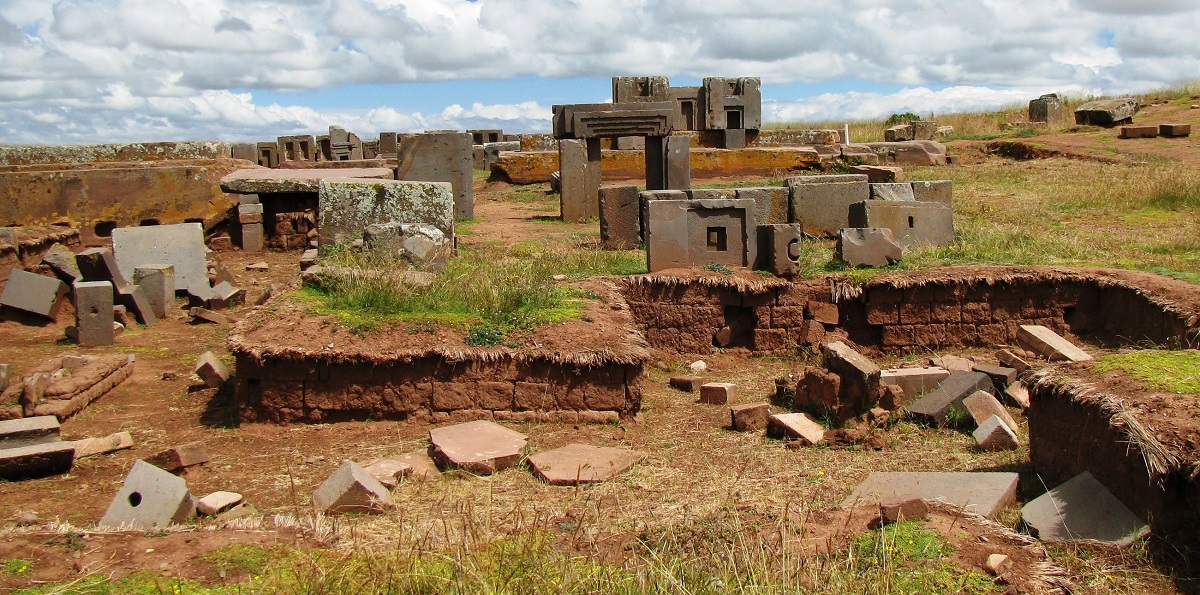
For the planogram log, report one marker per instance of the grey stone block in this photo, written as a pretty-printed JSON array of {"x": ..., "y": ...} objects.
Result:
[
  {"x": 981, "y": 493},
  {"x": 1047, "y": 108},
  {"x": 733, "y": 138},
  {"x": 33, "y": 293},
  {"x": 348, "y": 205},
  {"x": 273, "y": 181},
  {"x": 580, "y": 183},
  {"x": 135, "y": 300},
  {"x": 860, "y": 376},
  {"x": 99, "y": 264},
  {"x": 248, "y": 199},
  {"x": 994, "y": 434},
  {"x": 149, "y": 498},
  {"x": 779, "y": 249},
  {"x": 62, "y": 261},
  {"x": 1106, "y": 112},
  {"x": 620, "y": 217},
  {"x": 689, "y": 233},
  {"x": 1082, "y": 508},
  {"x": 821, "y": 204},
  {"x": 94, "y": 313},
  {"x": 939, "y": 191},
  {"x": 225, "y": 295},
  {"x": 158, "y": 283},
  {"x": 444, "y": 156},
  {"x": 28, "y": 431},
  {"x": 867, "y": 247},
  {"x": 351, "y": 489},
  {"x": 892, "y": 191},
  {"x": 1001, "y": 376},
  {"x": 938, "y": 404},
  {"x": 181, "y": 245},
  {"x": 678, "y": 167},
  {"x": 211, "y": 370},
  {"x": 36, "y": 460},
  {"x": 914, "y": 224},
  {"x": 772, "y": 203}
]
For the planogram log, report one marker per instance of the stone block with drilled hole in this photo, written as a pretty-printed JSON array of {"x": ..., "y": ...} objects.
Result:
[
  {"x": 749, "y": 417},
  {"x": 779, "y": 249},
  {"x": 150, "y": 498},
  {"x": 795, "y": 427},
  {"x": 945, "y": 402},
  {"x": 577, "y": 464},
  {"x": 1049, "y": 344},
  {"x": 33, "y": 293},
  {"x": 211, "y": 370},
  {"x": 914, "y": 224},
  {"x": 180, "y": 457},
  {"x": 994, "y": 434},
  {"x": 94, "y": 313},
  {"x": 717, "y": 393},
  {"x": 351, "y": 489},
  {"x": 480, "y": 447}
]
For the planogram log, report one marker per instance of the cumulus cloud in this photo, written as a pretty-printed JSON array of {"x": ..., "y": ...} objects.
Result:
[{"x": 86, "y": 67}]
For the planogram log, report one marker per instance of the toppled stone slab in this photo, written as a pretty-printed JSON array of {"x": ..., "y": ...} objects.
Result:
[
  {"x": 914, "y": 381},
  {"x": 982, "y": 493},
  {"x": 994, "y": 434},
  {"x": 351, "y": 490},
  {"x": 211, "y": 370},
  {"x": 1001, "y": 376},
  {"x": 33, "y": 293},
  {"x": 982, "y": 405},
  {"x": 225, "y": 295},
  {"x": 687, "y": 384},
  {"x": 1012, "y": 360},
  {"x": 1049, "y": 344},
  {"x": 717, "y": 393},
  {"x": 947, "y": 398},
  {"x": 268, "y": 181},
  {"x": 149, "y": 498},
  {"x": 1106, "y": 112},
  {"x": 134, "y": 300},
  {"x": 206, "y": 315},
  {"x": 180, "y": 457},
  {"x": 99, "y": 264},
  {"x": 480, "y": 447},
  {"x": 389, "y": 472},
  {"x": 423, "y": 466},
  {"x": 61, "y": 260},
  {"x": 157, "y": 281},
  {"x": 576, "y": 464},
  {"x": 795, "y": 426},
  {"x": 36, "y": 460},
  {"x": 1082, "y": 508},
  {"x": 180, "y": 245},
  {"x": 88, "y": 447},
  {"x": 867, "y": 247},
  {"x": 749, "y": 417},
  {"x": 1018, "y": 394},
  {"x": 218, "y": 502},
  {"x": 28, "y": 431}
]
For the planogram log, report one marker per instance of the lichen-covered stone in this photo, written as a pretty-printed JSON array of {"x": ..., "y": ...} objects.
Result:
[{"x": 348, "y": 205}]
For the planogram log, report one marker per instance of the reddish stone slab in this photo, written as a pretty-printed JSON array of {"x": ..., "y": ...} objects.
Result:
[
  {"x": 576, "y": 464},
  {"x": 481, "y": 447}
]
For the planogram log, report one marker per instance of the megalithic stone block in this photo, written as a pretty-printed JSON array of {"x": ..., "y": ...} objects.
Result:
[
  {"x": 99, "y": 264},
  {"x": 779, "y": 249},
  {"x": 180, "y": 457},
  {"x": 135, "y": 301},
  {"x": 620, "y": 217},
  {"x": 821, "y": 204},
  {"x": 211, "y": 370},
  {"x": 939, "y": 404},
  {"x": 36, "y": 460},
  {"x": 33, "y": 293},
  {"x": 867, "y": 247},
  {"x": 678, "y": 168},
  {"x": 28, "y": 431},
  {"x": 62, "y": 261},
  {"x": 150, "y": 497},
  {"x": 252, "y": 237},
  {"x": 579, "y": 195},
  {"x": 1082, "y": 508},
  {"x": 180, "y": 244},
  {"x": 158, "y": 283},
  {"x": 1049, "y": 344},
  {"x": 94, "y": 313},
  {"x": 351, "y": 489}
]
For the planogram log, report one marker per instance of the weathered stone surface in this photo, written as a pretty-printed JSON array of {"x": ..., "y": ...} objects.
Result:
[
  {"x": 717, "y": 393},
  {"x": 867, "y": 247},
  {"x": 620, "y": 217},
  {"x": 88, "y": 447},
  {"x": 1106, "y": 112},
  {"x": 157, "y": 281},
  {"x": 211, "y": 370},
  {"x": 576, "y": 464},
  {"x": 351, "y": 490},
  {"x": 99, "y": 264},
  {"x": 1001, "y": 376},
  {"x": 749, "y": 417},
  {"x": 579, "y": 185},
  {"x": 536, "y": 167},
  {"x": 1049, "y": 344},
  {"x": 33, "y": 293},
  {"x": 423, "y": 466},
  {"x": 480, "y": 447},
  {"x": 62, "y": 260},
  {"x": 914, "y": 224},
  {"x": 939, "y": 191},
  {"x": 897, "y": 133},
  {"x": 420, "y": 244},
  {"x": 1047, "y": 108},
  {"x": 134, "y": 300},
  {"x": 983, "y": 405},
  {"x": 206, "y": 315},
  {"x": 779, "y": 249},
  {"x": 947, "y": 398},
  {"x": 180, "y": 245},
  {"x": 28, "y": 431},
  {"x": 860, "y": 378},
  {"x": 218, "y": 502},
  {"x": 1145, "y": 131},
  {"x": 1018, "y": 394},
  {"x": 677, "y": 166},
  {"x": 1012, "y": 360},
  {"x": 440, "y": 157},
  {"x": 994, "y": 434},
  {"x": 180, "y": 457},
  {"x": 914, "y": 381},
  {"x": 982, "y": 493},
  {"x": 879, "y": 174},
  {"x": 36, "y": 460},
  {"x": 689, "y": 384},
  {"x": 772, "y": 203},
  {"x": 1082, "y": 508},
  {"x": 892, "y": 191},
  {"x": 818, "y": 390},
  {"x": 348, "y": 205},
  {"x": 389, "y": 472},
  {"x": 821, "y": 204},
  {"x": 150, "y": 497},
  {"x": 998, "y": 564},
  {"x": 268, "y": 181},
  {"x": 795, "y": 426},
  {"x": 688, "y": 233},
  {"x": 903, "y": 508},
  {"x": 1175, "y": 130}
]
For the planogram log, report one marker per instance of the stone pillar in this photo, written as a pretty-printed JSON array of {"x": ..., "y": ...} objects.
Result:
[
  {"x": 678, "y": 163},
  {"x": 656, "y": 161},
  {"x": 579, "y": 195},
  {"x": 94, "y": 313}
]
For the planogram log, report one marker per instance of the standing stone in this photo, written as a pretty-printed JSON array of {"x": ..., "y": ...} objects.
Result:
[
  {"x": 1082, "y": 508},
  {"x": 149, "y": 498},
  {"x": 821, "y": 204},
  {"x": 579, "y": 195},
  {"x": 444, "y": 156},
  {"x": 1047, "y": 108},
  {"x": 678, "y": 167},
  {"x": 33, "y": 293},
  {"x": 620, "y": 217},
  {"x": 351, "y": 489},
  {"x": 94, "y": 313},
  {"x": 867, "y": 247},
  {"x": 181, "y": 245},
  {"x": 860, "y": 378},
  {"x": 252, "y": 237},
  {"x": 779, "y": 249},
  {"x": 158, "y": 283}
]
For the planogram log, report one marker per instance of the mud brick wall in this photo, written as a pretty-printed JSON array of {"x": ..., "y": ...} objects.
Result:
[
  {"x": 282, "y": 390},
  {"x": 967, "y": 311}
]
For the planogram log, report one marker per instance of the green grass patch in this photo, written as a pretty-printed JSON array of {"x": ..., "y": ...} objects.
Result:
[
  {"x": 1174, "y": 371},
  {"x": 911, "y": 559},
  {"x": 138, "y": 583},
  {"x": 17, "y": 566}
]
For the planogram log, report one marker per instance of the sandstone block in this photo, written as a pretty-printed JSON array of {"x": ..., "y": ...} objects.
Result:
[
  {"x": 994, "y": 434},
  {"x": 687, "y": 384},
  {"x": 576, "y": 464},
  {"x": 900, "y": 508},
  {"x": 1174, "y": 130},
  {"x": 983, "y": 405},
  {"x": 33, "y": 293},
  {"x": 869, "y": 247},
  {"x": 351, "y": 490},
  {"x": 795, "y": 427},
  {"x": 211, "y": 370},
  {"x": 914, "y": 381},
  {"x": 217, "y": 503},
  {"x": 983, "y": 493},
  {"x": 749, "y": 417},
  {"x": 860, "y": 378},
  {"x": 480, "y": 447},
  {"x": 717, "y": 393},
  {"x": 1049, "y": 344},
  {"x": 180, "y": 457}
]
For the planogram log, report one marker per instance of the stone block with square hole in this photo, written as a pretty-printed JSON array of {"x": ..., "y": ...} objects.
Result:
[
  {"x": 698, "y": 232},
  {"x": 914, "y": 224}
]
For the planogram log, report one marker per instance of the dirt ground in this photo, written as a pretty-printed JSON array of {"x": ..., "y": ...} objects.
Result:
[{"x": 695, "y": 470}]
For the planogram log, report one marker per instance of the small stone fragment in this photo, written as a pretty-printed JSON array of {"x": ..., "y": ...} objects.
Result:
[
  {"x": 351, "y": 489},
  {"x": 389, "y": 472},
  {"x": 997, "y": 564},
  {"x": 206, "y": 315},
  {"x": 717, "y": 393},
  {"x": 217, "y": 502},
  {"x": 211, "y": 370},
  {"x": 902, "y": 508},
  {"x": 258, "y": 267},
  {"x": 698, "y": 366}
]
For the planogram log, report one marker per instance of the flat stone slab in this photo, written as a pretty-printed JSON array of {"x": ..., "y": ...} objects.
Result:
[
  {"x": 421, "y": 465},
  {"x": 795, "y": 426},
  {"x": 266, "y": 181},
  {"x": 36, "y": 460},
  {"x": 1049, "y": 344},
  {"x": 29, "y": 431},
  {"x": 33, "y": 293},
  {"x": 481, "y": 447},
  {"x": 984, "y": 493},
  {"x": 576, "y": 464},
  {"x": 1082, "y": 508},
  {"x": 937, "y": 406},
  {"x": 180, "y": 245}
]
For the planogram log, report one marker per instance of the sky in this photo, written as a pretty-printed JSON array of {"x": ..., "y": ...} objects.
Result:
[{"x": 93, "y": 71}]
